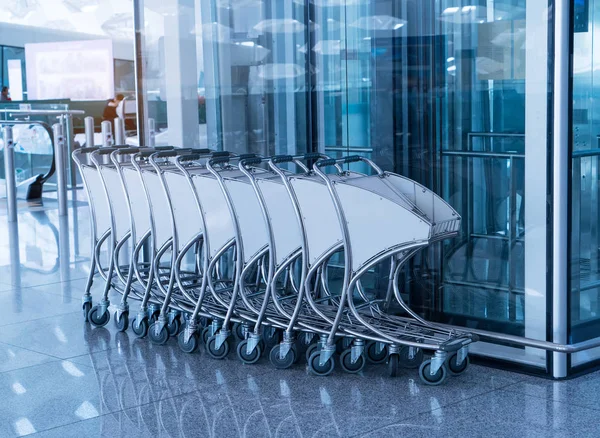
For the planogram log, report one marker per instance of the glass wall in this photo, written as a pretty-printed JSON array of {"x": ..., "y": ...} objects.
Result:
[{"x": 454, "y": 94}]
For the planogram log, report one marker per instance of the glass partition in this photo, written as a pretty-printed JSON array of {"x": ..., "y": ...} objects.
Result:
[{"x": 454, "y": 94}]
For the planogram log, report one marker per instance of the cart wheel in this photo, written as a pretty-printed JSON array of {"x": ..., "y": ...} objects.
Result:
[
  {"x": 393, "y": 365},
  {"x": 316, "y": 368},
  {"x": 122, "y": 323},
  {"x": 437, "y": 379},
  {"x": 373, "y": 356},
  {"x": 205, "y": 335},
  {"x": 271, "y": 336},
  {"x": 454, "y": 368},
  {"x": 310, "y": 350},
  {"x": 342, "y": 344},
  {"x": 203, "y": 321},
  {"x": 211, "y": 348},
  {"x": 154, "y": 317},
  {"x": 407, "y": 362},
  {"x": 238, "y": 332},
  {"x": 96, "y": 320},
  {"x": 140, "y": 329},
  {"x": 284, "y": 363},
  {"x": 174, "y": 327},
  {"x": 251, "y": 358},
  {"x": 159, "y": 338},
  {"x": 348, "y": 366},
  {"x": 190, "y": 346},
  {"x": 86, "y": 310}
]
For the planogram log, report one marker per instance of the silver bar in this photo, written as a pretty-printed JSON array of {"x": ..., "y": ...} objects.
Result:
[
  {"x": 61, "y": 177},
  {"x": 560, "y": 202},
  {"x": 9, "y": 173},
  {"x": 88, "y": 123},
  {"x": 107, "y": 137},
  {"x": 151, "y": 133},
  {"x": 141, "y": 96},
  {"x": 119, "y": 131},
  {"x": 70, "y": 142},
  {"x": 43, "y": 112}
]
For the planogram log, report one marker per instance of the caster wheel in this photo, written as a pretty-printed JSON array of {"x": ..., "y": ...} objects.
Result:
[
  {"x": 205, "y": 335},
  {"x": 271, "y": 336},
  {"x": 342, "y": 345},
  {"x": 159, "y": 338},
  {"x": 238, "y": 332},
  {"x": 437, "y": 379},
  {"x": 154, "y": 317},
  {"x": 190, "y": 346},
  {"x": 316, "y": 368},
  {"x": 96, "y": 320},
  {"x": 410, "y": 363},
  {"x": 174, "y": 327},
  {"x": 348, "y": 366},
  {"x": 211, "y": 348},
  {"x": 204, "y": 322},
  {"x": 455, "y": 369},
  {"x": 140, "y": 329},
  {"x": 393, "y": 365},
  {"x": 373, "y": 355},
  {"x": 310, "y": 350},
  {"x": 284, "y": 363},
  {"x": 251, "y": 358},
  {"x": 122, "y": 323},
  {"x": 86, "y": 310}
]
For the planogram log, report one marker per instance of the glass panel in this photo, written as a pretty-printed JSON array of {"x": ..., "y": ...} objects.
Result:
[
  {"x": 12, "y": 54},
  {"x": 585, "y": 237},
  {"x": 235, "y": 72},
  {"x": 441, "y": 92}
]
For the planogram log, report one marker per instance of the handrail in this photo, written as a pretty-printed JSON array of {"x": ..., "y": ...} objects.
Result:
[
  {"x": 42, "y": 112},
  {"x": 35, "y": 188}
]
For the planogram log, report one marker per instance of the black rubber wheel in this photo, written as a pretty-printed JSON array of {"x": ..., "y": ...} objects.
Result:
[
  {"x": 205, "y": 335},
  {"x": 393, "y": 365},
  {"x": 159, "y": 338},
  {"x": 122, "y": 323},
  {"x": 203, "y": 322},
  {"x": 342, "y": 345},
  {"x": 284, "y": 363},
  {"x": 407, "y": 362},
  {"x": 310, "y": 350},
  {"x": 191, "y": 345},
  {"x": 212, "y": 350},
  {"x": 141, "y": 329},
  {"x": 376, "y": 357},
  {"x": 437, "y": 379},
  {"x": 455, "y": 369},
  {"x": 251, "y": 358},
  {"x": 86, "y": 310},
  {"x": 316, "y": 368},
  {"x": 238, "y": 332},
  {"x": 96, "y": 320},
  {"x": 271, "y": 336},
  {"x": 174, "y": 326},
  {"x": 348, "y": 366}
]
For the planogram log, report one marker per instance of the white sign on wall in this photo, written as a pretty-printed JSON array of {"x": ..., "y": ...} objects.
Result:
[
  {"x": 77, "y": 70},
  {"x": 15, "y": 79}
]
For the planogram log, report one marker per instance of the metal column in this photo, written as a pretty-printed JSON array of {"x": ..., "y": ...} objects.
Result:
[
  {"x": 89, "y": 132},
  {"x": 9, "y": 174},
  {"x": 151, "y": 134},
  {"x": 67, "y": 119},
  {"x": 61, "y": 165},
  {"x": 119, "y": 131},
  {"x": 107, "y": 137},
  {"x": 562, "y": 10}
]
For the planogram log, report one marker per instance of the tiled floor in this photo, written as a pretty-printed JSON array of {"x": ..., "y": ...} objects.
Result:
[{"x": 61, "y": 378}]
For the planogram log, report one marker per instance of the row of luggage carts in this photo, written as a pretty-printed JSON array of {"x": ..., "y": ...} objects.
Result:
[{"x": 235, "y": 252}]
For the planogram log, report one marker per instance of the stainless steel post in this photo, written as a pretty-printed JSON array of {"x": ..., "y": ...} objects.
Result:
[
  {"x": 88, "y": 123},
  {"x": 61, "y": 166},
  {"x": 9, "y": 173},
  {"x": 151, "y": 133},
  {"x": 70, "y": 144},
  {"x": 119, "y": 131},
  {"x": 107, "y": 137}
]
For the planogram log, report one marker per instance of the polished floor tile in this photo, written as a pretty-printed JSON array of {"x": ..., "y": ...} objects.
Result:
[{"x": 12, "y": 358}]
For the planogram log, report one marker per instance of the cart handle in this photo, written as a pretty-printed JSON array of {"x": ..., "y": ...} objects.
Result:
[
  {"x": 106, "y": 151},
  {"x": 347, "y": 160},
  {"x": 127, "y": 151},
  {"x": 87, "y": 150},
  {"x": 225, "y": 159}
]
